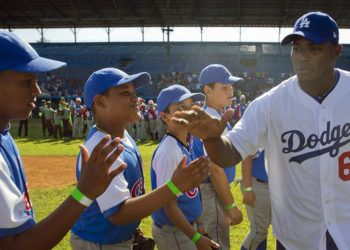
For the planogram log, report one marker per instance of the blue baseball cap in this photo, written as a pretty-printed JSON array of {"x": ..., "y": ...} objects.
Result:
[
  {"x": 317, "y": 27},
  {"x": 175, "y": 94},
  {"x": 104, "y": 79},
  {"x": 217, "y": 73},
  {"x": 16, "y": 54}
]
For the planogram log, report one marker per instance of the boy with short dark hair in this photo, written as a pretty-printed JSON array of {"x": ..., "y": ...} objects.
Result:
[
  {"x": 19, "y": 64},
  {"x": 113, "y": 217}
]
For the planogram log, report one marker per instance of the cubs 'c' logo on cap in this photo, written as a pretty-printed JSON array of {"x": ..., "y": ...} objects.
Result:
[
  {"x": 137, "y": 189},
  {"x": 305, "y": 23},
  {"x": 192, "y": 193}
]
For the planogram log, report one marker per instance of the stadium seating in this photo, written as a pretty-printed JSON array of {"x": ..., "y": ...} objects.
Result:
[{"x": 164, "y": 58}]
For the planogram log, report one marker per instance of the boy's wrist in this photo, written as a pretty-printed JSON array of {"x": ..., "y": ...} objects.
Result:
[
  {"x": 199, "y": 224},
  {"x": 173, "y": 188},
  {"x": 80, "y": 197},
  {"x": 247, "y": 189},
  {"x": 196, "y": 237},
  {"x": 230, "y": 206}
]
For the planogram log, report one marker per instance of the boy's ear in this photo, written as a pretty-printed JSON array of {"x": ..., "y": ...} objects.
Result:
[
  {"x": 99, "y": 101},
  {"x": 206, "y": 89},
  {"x": 164, "y": 116}
]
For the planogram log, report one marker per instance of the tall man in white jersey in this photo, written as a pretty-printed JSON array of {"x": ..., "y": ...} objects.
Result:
[{"x": 304, "y": 126}]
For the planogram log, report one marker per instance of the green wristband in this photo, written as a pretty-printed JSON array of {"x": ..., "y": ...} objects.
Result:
[
  {"x": 174, "y": 189},
  {"x": 228, "y": 207},
  {"x": 247, "y": 189},
  {"x": 196, "y": 237},
  {"x": 80, "y": 197}
]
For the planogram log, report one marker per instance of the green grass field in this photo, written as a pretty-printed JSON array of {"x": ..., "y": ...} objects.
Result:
[{"x": 45, "y": 200}]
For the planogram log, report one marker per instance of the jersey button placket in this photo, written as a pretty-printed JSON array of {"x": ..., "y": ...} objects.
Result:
[{"x": 324, "y": 172}]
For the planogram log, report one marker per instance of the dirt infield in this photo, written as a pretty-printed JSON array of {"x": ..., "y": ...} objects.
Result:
[{"x": 49, "y": 171}]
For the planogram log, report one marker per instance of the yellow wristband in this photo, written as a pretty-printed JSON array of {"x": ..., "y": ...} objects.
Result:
[
  {"x": 228, "y": 207},
  {"x": 196, "y": 237}
]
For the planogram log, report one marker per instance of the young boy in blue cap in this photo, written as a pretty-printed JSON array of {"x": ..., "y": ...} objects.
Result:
[
  {"x": 218, "y": 203},
  {"x": 112, "y": 218},
  {"x": 19, "y": 64},
  {"x": 174, "y": 224}
]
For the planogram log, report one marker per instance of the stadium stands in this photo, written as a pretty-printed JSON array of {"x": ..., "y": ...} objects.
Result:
[{"x": 157, "y": 58}]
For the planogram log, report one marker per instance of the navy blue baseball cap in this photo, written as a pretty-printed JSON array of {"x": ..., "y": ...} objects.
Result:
[
  {"x": 16, "y": 54},
  {"x": 104, "y": 79},
  {"x": 217, "y": 73},
  {"x": 317, "y": 27},
  {"x": 175, "y": 94}
]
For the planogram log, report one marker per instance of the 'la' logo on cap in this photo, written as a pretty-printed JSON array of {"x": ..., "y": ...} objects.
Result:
[{"x": 304, "y": 23}]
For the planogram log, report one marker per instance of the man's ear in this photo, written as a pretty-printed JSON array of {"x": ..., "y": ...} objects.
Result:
[{"x": 338, "y": 50}]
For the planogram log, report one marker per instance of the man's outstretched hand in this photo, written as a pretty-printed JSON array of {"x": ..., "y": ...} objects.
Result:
[{"x": 200, "y": 124}]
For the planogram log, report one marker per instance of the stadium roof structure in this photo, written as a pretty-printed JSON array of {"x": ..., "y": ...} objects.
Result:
[{"x": 163, "y": 13}]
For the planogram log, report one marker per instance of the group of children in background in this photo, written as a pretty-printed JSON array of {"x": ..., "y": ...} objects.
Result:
[{"x": 66, "y": 121}]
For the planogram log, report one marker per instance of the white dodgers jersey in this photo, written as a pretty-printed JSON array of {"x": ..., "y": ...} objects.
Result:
[{"x": 307, "y": 146}]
